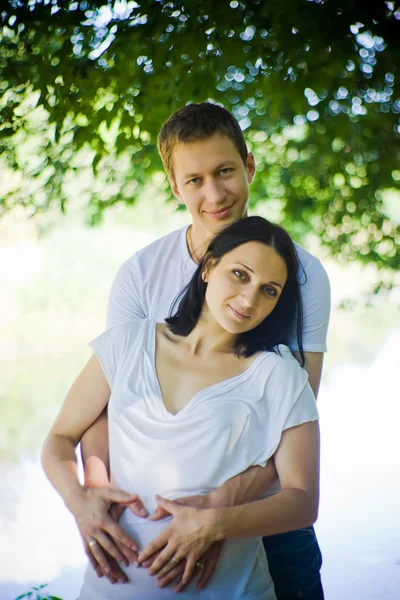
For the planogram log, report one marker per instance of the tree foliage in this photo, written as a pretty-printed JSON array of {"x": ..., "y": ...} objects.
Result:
[{"x": 87, "y": 85}]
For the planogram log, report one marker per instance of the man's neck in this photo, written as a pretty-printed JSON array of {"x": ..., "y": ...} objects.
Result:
[
  {"x": 197, "y": 240},
  {"x": 198, "y": 237}
]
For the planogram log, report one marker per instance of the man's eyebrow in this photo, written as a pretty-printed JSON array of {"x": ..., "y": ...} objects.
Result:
[
  {"x": 251, "y": 270},
  {"x": 224, "y": 164},
  {"x": 217, "y": 168}
]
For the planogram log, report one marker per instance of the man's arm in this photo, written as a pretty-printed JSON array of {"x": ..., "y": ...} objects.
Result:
[
  {"x": 95, "y": 453},
  {"x": 313, "y": 365},
  {"x": 246, "y": 487}
]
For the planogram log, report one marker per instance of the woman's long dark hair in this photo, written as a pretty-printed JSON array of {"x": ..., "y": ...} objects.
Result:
[{"x": 285, "y": 321}]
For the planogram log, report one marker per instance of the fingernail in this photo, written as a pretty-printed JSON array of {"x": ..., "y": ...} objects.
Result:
[
  {"x": 134, "y": 548},
  {"x": 124, "y": 562},
  {"x": 121, "y": 580},
  {"x": 135, "y": 563},
  {"x": 107, "y": 571},
  {"x": 143, "y": 511},
  {"x": 146, "y": 564}
]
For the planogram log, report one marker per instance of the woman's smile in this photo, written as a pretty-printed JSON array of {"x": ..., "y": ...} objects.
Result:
[{"x": 238, "y": 315}]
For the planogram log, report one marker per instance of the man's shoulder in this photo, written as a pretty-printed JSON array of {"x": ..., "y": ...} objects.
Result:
[
  {"x": 170, "y": 240},
  {"x": 311, "y": 265},
  {"x": 160, "y": 250}
]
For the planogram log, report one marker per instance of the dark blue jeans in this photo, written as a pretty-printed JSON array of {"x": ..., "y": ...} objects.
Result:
[{"x": 294, "y": 560}]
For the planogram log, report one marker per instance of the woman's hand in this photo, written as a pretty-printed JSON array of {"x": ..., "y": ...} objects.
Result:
[
  {"x": 99, "y": 531},
  {"x": 188, "y": 536},
  {"x": 114, "y": 573}
]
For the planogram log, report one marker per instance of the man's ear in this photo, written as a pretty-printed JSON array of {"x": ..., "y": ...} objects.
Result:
[{"x": 175, "y": 190}]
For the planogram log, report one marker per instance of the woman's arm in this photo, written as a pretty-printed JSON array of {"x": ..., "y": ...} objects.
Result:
[
  {"x": 193, "y": 530},
  {"x": 86, "y": 399}
]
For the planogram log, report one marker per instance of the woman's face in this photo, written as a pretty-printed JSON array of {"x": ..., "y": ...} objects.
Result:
[{"x": 245, "y": 286}]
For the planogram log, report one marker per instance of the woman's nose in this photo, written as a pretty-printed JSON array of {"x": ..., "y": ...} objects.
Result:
[{"x": 249, "y": 298}]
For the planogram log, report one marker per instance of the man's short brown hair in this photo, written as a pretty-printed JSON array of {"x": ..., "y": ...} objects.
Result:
[{"x": 196, "y": 122}]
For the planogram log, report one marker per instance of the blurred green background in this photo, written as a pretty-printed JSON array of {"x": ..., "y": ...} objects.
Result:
[
  {"x": 84, "y": 89},
  {"x": 55, "y": 276}
]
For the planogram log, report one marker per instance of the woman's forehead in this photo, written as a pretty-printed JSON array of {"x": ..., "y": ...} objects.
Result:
[{"x": 258, "y": 258}]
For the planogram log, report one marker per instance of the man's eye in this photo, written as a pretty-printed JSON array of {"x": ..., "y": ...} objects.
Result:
[{"x": 226, "y": 170}]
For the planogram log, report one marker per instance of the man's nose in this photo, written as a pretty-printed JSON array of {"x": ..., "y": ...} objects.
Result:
[{"x": 215, "y": 192}]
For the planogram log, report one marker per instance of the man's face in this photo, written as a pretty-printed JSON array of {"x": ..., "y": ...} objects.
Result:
[{"x": 210, "y": 178}]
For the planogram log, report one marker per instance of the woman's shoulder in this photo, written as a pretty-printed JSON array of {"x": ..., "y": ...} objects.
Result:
[
  {"x": 279, "y": 353},
  {"x": 129, "y": 333},
  {"x": 281, "y": 362},
  {"x": 280, "y": 376},
  {"x": 132, "y": 326}
]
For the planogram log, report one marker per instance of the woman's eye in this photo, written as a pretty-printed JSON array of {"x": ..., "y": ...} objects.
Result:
[
  {"x": 239, "y": 274},
  {"x": 270, "y": 291},
  {"x": 194, "y": 181}
]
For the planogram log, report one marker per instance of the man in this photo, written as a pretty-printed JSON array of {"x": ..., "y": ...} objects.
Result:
[{"x": 210, "y": 169}]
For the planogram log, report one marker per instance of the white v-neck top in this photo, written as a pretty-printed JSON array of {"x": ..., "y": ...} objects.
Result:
[{"x": 224, "y": 429}]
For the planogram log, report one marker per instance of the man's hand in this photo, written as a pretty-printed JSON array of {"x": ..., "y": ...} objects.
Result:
[{"x": 208, "y": 562}]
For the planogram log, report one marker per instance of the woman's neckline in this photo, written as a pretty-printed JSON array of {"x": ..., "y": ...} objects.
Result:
[{"x": 229, "y": 382}]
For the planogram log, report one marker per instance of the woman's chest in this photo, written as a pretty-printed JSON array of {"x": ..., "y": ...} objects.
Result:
[{"x": 182, "y": 379}]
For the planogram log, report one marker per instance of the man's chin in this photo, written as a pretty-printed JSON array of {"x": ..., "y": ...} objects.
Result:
[{"x": 229, "y": 220}]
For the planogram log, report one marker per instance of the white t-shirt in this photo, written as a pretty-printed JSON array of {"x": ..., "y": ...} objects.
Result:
[
  {"x": 149, "y": 281},
  {"x": 224, "y": 429}
]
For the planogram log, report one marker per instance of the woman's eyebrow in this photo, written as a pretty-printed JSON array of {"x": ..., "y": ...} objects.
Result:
[
  {"x": 251, "y": 270},
  {"x": 246, "y": 267}
]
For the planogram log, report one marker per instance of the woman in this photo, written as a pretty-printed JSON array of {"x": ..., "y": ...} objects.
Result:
[{"x": 195, "y": 401}]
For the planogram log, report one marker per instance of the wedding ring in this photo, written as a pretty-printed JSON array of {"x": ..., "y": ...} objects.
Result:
[
  {"x": 175, "y": 560},
  {"x": 92, "y": 543},
  {"x": 198, "y": 564}
]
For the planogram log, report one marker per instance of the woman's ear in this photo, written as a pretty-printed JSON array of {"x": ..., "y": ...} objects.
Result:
[{"x": 208, "y": 263}]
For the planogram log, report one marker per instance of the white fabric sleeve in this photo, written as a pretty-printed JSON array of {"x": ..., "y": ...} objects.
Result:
[
  {"x": 289, "y": 402},
  {"x": 316, "y": 299},
  {"x": 304, "y": 409},
  {"x": 111, "y": 347},
  {"x": 125, "y": 302}
]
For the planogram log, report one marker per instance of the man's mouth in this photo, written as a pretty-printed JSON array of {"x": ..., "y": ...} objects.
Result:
[{"x": 221, "y": 212}]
